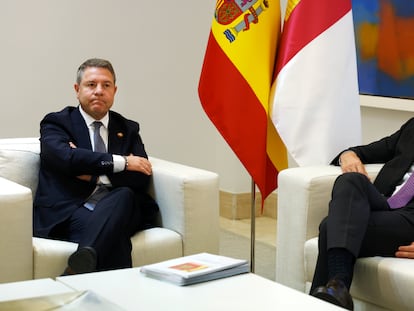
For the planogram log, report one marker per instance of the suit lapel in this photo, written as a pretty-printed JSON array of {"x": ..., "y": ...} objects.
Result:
[
  {"x": 116, "y": 136},
  {"x": 394, "y": 170},
  {"x": 80, "y": 130},
  {"x": 116, "y": 133}
]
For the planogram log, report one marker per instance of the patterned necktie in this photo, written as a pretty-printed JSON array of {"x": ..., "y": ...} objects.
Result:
[
  {"x": 99, "y": 192},
  {"x": 99, "y": 145},
  {"x": 403, "y": 195}
]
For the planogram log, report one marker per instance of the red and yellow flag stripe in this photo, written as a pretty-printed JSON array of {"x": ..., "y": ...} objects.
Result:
[{"x": 235, "y": 84}]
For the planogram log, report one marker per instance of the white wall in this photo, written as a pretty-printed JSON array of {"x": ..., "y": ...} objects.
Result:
[
  {"x": 157, "y": 49},
  {"x": 381, "y": 116}
]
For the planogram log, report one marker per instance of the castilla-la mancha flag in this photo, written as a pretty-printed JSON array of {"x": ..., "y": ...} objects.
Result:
[
  {"x": 315, "y": 104},
  {"x": 235, "y": 83}
]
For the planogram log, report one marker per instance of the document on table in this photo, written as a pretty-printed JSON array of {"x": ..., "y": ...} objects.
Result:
[{"x": 196, "y": 268}]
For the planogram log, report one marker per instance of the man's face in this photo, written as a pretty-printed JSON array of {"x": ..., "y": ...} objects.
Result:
[{"x": 96, "y": 91}]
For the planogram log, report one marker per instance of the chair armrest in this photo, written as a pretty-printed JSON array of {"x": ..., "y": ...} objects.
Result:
[
  {"x": 188, "y": 198},
  {"x": 303, "y": 197},
  {"x": 16, "y": 252}
]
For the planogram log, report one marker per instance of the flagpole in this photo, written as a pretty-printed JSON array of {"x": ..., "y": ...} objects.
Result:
[{"x": 252, "y": 227}]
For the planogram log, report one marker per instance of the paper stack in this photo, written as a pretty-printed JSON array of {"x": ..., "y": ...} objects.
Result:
[{"x": 196, "y": 268}]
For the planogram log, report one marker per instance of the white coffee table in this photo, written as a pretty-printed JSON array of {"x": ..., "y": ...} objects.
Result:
[
  {"x": 133, "y": 291},
  {"x": 31, "y": 289}
]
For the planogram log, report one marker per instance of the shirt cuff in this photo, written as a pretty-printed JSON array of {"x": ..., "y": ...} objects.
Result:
[{"x": 119, "y": 163}]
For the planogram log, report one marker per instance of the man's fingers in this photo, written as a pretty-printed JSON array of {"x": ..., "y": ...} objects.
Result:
[
  {"x": 401, "y": 254},
  {"x": 405, "y": 251},
  {"x": 406, "y": 248},
  {"x": 363, "y": 171}
]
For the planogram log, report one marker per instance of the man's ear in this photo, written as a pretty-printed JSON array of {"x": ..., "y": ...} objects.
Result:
[{"x": 76, "y": 87}]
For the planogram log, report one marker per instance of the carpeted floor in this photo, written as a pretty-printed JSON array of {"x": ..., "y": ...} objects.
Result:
[{"x": 238, "y": 246}]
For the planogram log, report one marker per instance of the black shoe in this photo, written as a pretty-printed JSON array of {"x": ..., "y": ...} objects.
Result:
[
  {"x": 81, "y": 261},
  {"x": 336, "y": 293}
]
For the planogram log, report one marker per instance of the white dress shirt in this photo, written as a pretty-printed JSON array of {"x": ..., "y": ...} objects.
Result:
[{"x": 119, "y": 161}]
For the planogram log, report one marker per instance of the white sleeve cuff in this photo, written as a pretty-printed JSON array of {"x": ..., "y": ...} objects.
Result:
[{"x": 119, "y": 163}]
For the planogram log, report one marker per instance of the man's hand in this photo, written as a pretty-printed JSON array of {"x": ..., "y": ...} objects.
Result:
[
  {"x": 87, "y": 178},
  {"x": 139, "y": 164},
  {"x": 350, "y": 162},
  {"x": 406, "y": 251},
  {"x": 135, "y": 163}
]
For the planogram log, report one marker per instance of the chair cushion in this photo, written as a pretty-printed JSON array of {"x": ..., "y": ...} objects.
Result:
[
  {"x": 386, "y": 282},
  {"x": 155, "y": 245},
  {"x": 16, "y": 155},
  {"x": 311, "y": 254},
  {"x": 50, "y": 257},
  {"x": 148, "y": 246}
]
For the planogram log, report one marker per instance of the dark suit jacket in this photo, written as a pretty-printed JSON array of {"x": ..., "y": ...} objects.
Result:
[
  {"x": 396, "y": 151},
  {"x": 59, "y": 191}
]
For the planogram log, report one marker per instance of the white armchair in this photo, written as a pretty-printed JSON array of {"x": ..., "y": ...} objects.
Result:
[
  {"x": 189, "y": 215},
  {"x": 303, "y": 196}
]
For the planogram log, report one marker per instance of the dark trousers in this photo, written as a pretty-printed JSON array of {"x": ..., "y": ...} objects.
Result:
[
  {"x": 360, "y": 220},
  {"x": 107, "y": 228}
]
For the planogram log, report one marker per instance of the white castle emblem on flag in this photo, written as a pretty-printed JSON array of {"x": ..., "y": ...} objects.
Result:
[{"x": 241, "y": 12}]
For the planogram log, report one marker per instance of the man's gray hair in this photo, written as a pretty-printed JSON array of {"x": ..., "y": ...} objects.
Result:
[{"x": 94, "y": 62}]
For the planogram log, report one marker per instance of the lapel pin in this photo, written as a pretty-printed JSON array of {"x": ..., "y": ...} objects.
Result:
[{"x": 120, "y": 134}]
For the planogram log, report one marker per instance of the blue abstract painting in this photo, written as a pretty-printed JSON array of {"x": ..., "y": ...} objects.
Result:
[{"x": 384, "y": 33}]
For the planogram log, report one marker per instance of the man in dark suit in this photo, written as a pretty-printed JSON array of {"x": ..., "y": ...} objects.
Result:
[
  {"x": 362, "y": 221},
  {"x": 93, "y": 189}
]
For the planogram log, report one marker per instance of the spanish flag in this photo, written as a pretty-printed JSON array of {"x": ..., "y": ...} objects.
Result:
[
  {"x": 235, "y": 83},
  {"x": 315, "y": 104}
]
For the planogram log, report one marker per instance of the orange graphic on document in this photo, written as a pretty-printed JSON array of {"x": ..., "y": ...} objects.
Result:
[{"x": 189, "y": 267}]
